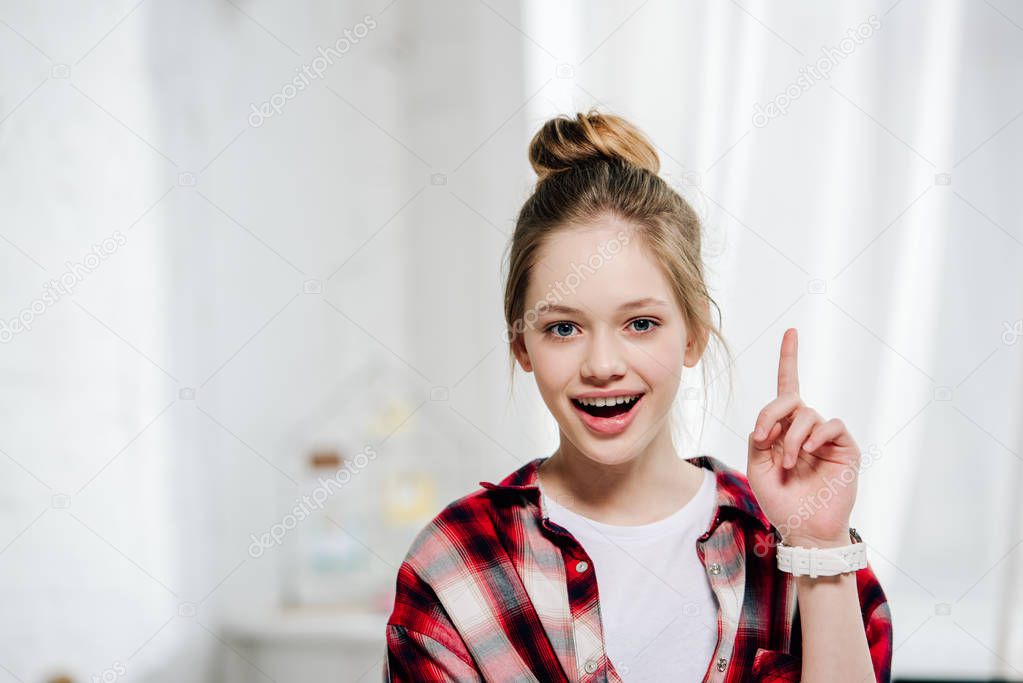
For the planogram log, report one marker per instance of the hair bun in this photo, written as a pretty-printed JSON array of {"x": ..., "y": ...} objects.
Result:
[{"x": 566, "y": 141}]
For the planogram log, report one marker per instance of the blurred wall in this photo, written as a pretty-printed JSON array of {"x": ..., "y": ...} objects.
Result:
[{"x": 208, "y": 275}]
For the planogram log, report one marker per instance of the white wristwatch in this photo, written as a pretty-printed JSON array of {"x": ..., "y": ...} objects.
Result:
[{"x": 814, "y": 562}]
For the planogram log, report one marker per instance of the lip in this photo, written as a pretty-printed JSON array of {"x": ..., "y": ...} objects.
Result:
[{"x": 608, "y": 425}]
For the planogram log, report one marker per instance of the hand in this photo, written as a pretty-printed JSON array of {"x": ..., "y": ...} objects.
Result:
[{"x": 803, "y": 470}]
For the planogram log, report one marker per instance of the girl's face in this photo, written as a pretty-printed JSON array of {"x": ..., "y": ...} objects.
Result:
[{"x": 611, "y": 327}]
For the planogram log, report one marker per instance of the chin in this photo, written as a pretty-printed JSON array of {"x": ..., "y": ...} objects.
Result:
[
  {"x": 611, "y": 451},
  {"x": 614, "y": 458}
]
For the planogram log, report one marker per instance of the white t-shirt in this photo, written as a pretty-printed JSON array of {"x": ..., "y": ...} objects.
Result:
[{"x": 657, "y": 608}]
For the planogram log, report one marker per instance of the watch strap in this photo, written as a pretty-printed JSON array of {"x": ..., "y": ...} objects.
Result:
[{"x": 814, "y": 562}]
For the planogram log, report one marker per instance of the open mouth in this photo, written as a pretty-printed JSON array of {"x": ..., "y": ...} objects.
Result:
[{"x": 607, "y": 407}]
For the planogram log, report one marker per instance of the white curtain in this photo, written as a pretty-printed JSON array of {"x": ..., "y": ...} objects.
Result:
[{"x": 878, "y": 215}]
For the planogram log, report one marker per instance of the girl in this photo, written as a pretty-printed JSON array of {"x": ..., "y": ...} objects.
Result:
[{"x": 698, "y": 566}]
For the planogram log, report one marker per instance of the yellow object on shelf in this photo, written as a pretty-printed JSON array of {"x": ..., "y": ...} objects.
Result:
[
  {"x": 391, "y": 419},
  {"x": 409, "y": 497}
]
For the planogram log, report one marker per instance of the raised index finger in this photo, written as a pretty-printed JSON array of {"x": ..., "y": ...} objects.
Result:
[{"x": 788, "y": 376}]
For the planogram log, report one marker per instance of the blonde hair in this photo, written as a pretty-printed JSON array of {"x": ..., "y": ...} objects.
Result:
[{"x": 595, "y": 165}]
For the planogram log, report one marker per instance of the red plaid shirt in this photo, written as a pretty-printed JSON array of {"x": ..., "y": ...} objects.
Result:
[{"x": 491, "y": 590}]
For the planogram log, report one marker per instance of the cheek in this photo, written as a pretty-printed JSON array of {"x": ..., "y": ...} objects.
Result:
[
  {"x": 553, "y": 368},
  {"x": 662, "y": 365}
]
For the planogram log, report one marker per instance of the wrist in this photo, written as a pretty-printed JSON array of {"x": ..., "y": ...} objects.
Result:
[
  {"x": 805, "y": 582},
  {"x": 805, "y": 541}
]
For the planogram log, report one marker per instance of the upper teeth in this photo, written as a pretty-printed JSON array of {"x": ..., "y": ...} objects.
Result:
[{"x": 609, "y": 401}]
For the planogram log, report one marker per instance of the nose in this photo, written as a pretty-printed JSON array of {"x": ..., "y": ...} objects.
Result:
[{"x": 604, "y": 359}]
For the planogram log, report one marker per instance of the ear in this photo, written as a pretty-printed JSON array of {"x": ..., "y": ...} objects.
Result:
[
  {"x": 695, "y": 348},
  {"x": 697, "y": 344},
  {"x": 521, "y": 355}
]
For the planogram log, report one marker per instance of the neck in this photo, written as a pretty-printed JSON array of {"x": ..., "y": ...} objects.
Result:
[{"x": 640, "y": 490}]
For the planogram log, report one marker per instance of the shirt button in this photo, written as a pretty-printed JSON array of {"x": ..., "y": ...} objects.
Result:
[
  {"x": 715, "y": 568},
  {"x": 581, "y": 566},
  {"x": 591, "y": 665},
  {"x": 721, "y": 663}
]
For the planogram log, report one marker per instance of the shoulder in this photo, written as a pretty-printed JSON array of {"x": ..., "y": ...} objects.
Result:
[
  {"x": 438, "y": 551},
  {"x": 439, "y": 568},
  {"x": 454, "y": 553},
  {"x": 460, "y": 534},
  {"x": 471, "y": 528}
]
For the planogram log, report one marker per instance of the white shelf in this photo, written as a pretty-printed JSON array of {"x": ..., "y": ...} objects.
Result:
[{"x": 337, "y": 625}]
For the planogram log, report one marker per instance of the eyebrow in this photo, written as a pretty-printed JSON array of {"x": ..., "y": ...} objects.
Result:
[{"x": 628, "y": 306}]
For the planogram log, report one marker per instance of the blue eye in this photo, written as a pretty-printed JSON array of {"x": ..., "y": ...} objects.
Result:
[
  {"x": 551, "y": 329},
  {"x": 653, "y": 324},
  {"x": 646, "y": 325}
]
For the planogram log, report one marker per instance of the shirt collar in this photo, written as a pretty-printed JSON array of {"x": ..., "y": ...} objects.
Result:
[{"x": 733, "y": 489}]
